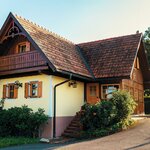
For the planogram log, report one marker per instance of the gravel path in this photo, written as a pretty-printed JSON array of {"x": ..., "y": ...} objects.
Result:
[{"x": 137, "y": 138}]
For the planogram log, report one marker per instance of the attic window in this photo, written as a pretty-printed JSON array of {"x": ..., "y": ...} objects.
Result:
[{"x": 23, "y": 47}]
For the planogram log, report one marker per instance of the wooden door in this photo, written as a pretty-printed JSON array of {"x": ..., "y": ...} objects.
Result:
[{"x": 92, "y": 93}]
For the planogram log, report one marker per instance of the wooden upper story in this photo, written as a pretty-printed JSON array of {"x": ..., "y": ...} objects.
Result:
[{"x": 17, "y": 55}]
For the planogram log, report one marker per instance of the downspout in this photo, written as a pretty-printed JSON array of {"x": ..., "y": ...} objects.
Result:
[{"x": 54, "y": 118}]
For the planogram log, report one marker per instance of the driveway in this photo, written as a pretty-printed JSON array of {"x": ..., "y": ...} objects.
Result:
[{"x": 137, "y": 138}]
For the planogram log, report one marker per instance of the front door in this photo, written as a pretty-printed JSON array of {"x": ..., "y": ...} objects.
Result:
[{"x": 92, "y": 92}]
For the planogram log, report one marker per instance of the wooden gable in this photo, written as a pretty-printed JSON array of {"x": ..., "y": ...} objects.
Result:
[
  {"x": 17, "y": 52},
  {"x": 140, "y": 71},
  {"x": 137, "y": 75}
]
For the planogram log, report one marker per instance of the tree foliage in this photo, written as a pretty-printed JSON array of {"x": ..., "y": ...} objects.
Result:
[{"x": 146, "y": 40}]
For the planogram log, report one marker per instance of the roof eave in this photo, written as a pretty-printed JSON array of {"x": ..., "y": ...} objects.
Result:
[
  {"x": 75, "y": 75},
  {"x": 4, "y": 25},
  {"x": 138, "y": 46}
]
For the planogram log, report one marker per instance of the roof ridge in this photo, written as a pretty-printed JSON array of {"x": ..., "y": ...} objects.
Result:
[
  {"x": 110, "y": 38},
  {"x": 45, "y": 29}
]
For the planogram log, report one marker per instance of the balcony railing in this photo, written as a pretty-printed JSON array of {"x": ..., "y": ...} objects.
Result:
[{"x": 21, "y": 61}]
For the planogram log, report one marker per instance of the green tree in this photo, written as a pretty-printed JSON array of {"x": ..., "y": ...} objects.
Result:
[{"x": 146, "y": 40}]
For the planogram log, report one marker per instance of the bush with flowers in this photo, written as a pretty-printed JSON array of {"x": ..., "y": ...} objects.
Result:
[{"x": 108, "y": 115}]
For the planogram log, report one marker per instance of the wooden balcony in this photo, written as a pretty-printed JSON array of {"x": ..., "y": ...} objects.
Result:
[{"x": 24, "y": 62}]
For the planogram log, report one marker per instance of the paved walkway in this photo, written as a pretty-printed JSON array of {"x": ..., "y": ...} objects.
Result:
[{"x": 137, "y": 138}]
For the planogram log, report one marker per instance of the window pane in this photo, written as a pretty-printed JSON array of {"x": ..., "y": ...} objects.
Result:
[
  {"x": 108, "y": 90},
  {"x": 136, "y": 94},
  {"x": 104, "y": 91},
  {"x": 11, "y": 91},
  {"x": 131, "y": 91},
  {"x": 140, "y": 96},
  {"x": 22, "y": 48},
  {"x": 92, "y": 90},
  {"x": 126, "y": 88},
  {"x": 34, "y": 89}
]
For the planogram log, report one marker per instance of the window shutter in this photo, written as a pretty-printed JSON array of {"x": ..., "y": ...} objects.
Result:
[
  {"x": 4, "y": 91},
  {"x": 15, "y": 92},
  {"x": 40, "y": 89},
  {"x": 26, "y": 93}
]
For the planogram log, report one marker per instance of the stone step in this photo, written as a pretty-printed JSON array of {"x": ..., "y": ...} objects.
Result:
[
  {"x": 71, "y": 135},
  {"x": 69, "y": 131},
  {"x": 74, "y": 127},
  {"x": 75, "y": 122}
]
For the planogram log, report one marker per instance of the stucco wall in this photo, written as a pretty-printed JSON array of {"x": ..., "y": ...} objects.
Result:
[
  {"x": 69, "y": 100},
  {"x": 33, "y": 103}
]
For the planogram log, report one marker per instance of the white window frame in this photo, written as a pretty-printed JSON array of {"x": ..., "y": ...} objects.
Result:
[{"x": 107, "y": 86}]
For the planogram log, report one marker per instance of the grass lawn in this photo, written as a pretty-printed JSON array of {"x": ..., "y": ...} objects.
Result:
[{"x": 11, "y": 141}]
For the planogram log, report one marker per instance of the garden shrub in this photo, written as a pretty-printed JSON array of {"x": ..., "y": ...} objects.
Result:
[
  {"x": 21, "y": 121},
  {"x": 107, "y": 116},
  {"x": 97, "y": 116},
  {"x": 124, "y": 104}
]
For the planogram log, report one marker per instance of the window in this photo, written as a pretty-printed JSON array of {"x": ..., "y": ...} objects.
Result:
[
  {"x": 23, "y": 47},
  {"x": 126, "y": 88},
  {"x": 33, "y": 89},
  {"x": 107, "y": 90},
  {"x": 140, "y": 95},
  {"x": 136, "y": 94},
  {"x": 131, "y": 91},
  {"x": 92, "y": 90},
  {"x": 10, "y": 91}
]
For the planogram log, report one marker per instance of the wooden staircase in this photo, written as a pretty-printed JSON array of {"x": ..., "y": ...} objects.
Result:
[{"x": 74, "y": 127}]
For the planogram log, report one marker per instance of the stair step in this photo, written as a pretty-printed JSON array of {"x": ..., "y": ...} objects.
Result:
[
  {"x": 73, "y": 128},
  {"x": 75, "y": 122},
  {"x": 75, "y": 125},
  {"x": 69, "y": 131},
  {"x": 76, "y": 119},
  {"x": 69, "y": 135}
]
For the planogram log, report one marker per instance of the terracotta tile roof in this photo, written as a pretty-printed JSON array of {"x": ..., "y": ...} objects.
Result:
[
  {"x": 62, "y": 53},
  {"x": 112, "y": 57}
]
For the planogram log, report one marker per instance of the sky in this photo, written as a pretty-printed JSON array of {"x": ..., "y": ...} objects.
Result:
[{"x": 83, "y": 20}]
